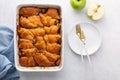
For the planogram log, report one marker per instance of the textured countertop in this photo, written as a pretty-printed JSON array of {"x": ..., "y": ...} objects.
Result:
[{"x": 106, "y": 61}]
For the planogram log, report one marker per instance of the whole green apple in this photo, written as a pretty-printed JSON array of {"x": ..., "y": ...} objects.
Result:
[{"x": 78, "y": 4}]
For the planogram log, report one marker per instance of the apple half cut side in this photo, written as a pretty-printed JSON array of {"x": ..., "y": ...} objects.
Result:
[{"x": 95, "y": 11}]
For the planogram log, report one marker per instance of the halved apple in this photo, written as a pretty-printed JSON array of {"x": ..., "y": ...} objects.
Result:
[{"x": 95, "y": 11}]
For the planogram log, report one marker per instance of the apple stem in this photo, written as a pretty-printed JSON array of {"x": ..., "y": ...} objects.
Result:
[
  {"x": 78, "y": 0},
  {"x": 99, "y": 6}
]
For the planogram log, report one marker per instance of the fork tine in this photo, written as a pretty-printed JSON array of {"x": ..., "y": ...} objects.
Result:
[
  {"x": 83, "y": 35},
  {"x": 78, "y": 29}
]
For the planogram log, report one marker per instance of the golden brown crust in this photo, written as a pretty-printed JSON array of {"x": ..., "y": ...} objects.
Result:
[
  {"x": 53, "y": 47},
  {"x": 58, "y": 62},
  {"x": 25, "y": 34},
  {"x": 24, "y": 22},
  {"x": 39, "y": 39},
  {"x": 35, "y": 20},
  {"x": 25, "y": 44},
  {"x": 38, "y": 32},
  {"x": 42, "y": 60},
  {"x": 27, "y": 61},
  {"x": 29, "y": 52},
  {"x": 51, "y": 57},
  {"x": 52, "y": 29},
  {"x": 29, "y": 11},
  {"x": 47, "y": 20},
  {"x": 53, "y": 13},
  {"x": 40, "y": 43},
  {"x": 52, "y": 38},
  {"x": 30, "y": 22}
]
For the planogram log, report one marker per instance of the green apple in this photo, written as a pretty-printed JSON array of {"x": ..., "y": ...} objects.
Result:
[
  {"x": 78, "y": 4},
  {"x": 95, "y": 11}
]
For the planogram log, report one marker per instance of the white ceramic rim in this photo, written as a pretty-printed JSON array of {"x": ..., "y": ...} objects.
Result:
[{"x": 16, "y": 58}]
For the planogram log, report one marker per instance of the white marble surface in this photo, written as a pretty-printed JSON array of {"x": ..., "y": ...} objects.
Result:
[{"x": 106, "y": 61}]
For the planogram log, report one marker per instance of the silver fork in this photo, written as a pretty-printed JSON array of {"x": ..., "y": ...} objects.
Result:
[
  {"x": 83, "y": 39},
  {"x": 78, "y": 32}
]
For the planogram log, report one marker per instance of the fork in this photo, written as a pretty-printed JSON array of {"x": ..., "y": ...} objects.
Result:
[
  {"x": 82, "y": 37},
  {"x": 78, "y": 32}
]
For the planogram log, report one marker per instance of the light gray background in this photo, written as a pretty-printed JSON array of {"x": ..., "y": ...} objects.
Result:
[{"x": 106, "y": 61}]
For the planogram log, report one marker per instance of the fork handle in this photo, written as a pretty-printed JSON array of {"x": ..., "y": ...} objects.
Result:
[
  {"x": 82, "y": 58},
  {"x": 85, "y": 51}
]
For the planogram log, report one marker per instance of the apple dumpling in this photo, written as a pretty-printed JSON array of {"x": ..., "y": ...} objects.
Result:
[
  {"x": 52, "y": 38},
  {"x": 30, "y": 22},
  {"x": 40, "y": 43},
  {"x": 38, "y": 31},
  {"x": 29, "y": 11},
  {"x": 53, "y": 13},
  {"x": 42, "y": 60},
  {"x": 27, "y": 61},
  {"x": 25, "y": 44},
  {"x": 25, "y": 34}
]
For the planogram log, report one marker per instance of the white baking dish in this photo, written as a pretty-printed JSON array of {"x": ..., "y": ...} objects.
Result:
[{"x": 36, "y": 69}]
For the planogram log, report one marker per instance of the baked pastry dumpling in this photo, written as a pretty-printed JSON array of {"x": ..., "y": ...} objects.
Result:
[
  {"x": 53, "y": 47},
  {"x": 35, "y": 20},
  {"x": 30, "y": 22},
  {"x": 24, "y": 22},
  {"x": 27, "y": 61},
  {"x": 25, "y": 34},
  {"x": 53, "y": 13},
  {"x": 47, "y": 29},
  {"x": 52, "y": 38},
  {"x": 52, "y": 29},
  {"x": 51, "y": 57},
  {"x": 43, "y": 19},
  {"x": 40, "y": 43},
  {"x": 25, "y": 44},
  {"x": 42, "y": 60},
  {"x": 47, "y": 20},
  {"x": 29, "y": 52},
  {"x": 50, "y": 21},
  {"x": 29, "y": 11},
  {"x": 57, "y": 63},
  {"x": 38, "y": 31}
]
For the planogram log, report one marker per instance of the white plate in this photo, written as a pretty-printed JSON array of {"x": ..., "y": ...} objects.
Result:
[{"x": 93, "y": 39}]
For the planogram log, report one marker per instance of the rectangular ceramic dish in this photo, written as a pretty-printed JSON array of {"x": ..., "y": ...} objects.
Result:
[{"x": 36, "y": 69}]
